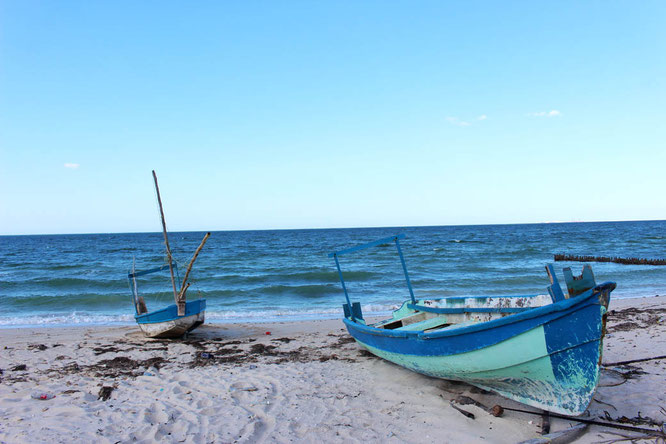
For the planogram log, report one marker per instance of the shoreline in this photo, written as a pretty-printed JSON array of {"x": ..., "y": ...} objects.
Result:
[
  {"x": 305, "y": 381},
  {"x": 240, "y": 320}
]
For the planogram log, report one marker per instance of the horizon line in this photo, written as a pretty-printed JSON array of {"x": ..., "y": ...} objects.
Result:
[{"x": 340, "y": 228}]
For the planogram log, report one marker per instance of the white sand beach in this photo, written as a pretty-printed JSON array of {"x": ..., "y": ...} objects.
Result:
[{"x": 303, "y": 382}]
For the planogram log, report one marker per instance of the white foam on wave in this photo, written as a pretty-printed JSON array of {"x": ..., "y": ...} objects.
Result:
[
  {"x": 74, "y": 318},
  {"x": 225, "y": 316},
  {"x": 278, "y": 315}
]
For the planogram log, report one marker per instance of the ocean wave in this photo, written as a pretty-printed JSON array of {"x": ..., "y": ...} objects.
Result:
[
  {"x": 64, "y": 283},
  {"x": 308, "y": 291},
  {"x": 74, "y": 318},
  {"x": 324, "y": 276},
  {"x": 293, "y": 314},
  {"x": 274, "y": 315},
  {"x": 78, "y": 300}
]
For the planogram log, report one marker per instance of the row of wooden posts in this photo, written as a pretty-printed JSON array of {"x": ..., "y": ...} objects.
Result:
[{"x": 617, "y": 260}]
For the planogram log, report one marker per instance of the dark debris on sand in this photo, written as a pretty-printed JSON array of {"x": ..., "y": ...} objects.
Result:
[
  {"x": 206, "y": 352},
  {"x": 342, "y": 341},
  {"x": 105, "y": 392},
  {"x": 633, "y": 318},
  {"x": 285, "y": 340},
  {"x": 105, "y": 349},
  {"x": 122, "y": 366},
  {"x": 271, "y": 353}
]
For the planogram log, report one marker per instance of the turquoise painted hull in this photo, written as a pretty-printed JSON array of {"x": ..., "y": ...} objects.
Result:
[{"x": 547, "y": 357}]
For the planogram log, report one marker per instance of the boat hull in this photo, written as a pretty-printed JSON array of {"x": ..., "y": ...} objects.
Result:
[
  {"x": 547, "y": 357},
  {"x": 166, "y": 323}
]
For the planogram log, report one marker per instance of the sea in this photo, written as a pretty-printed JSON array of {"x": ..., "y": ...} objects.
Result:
[{"x": 287, "y": 275}]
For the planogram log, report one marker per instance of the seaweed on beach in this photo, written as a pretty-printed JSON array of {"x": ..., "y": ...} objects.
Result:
[
  {"x": 301, "y": 354},
  {"x": 262, "y": 349},
  {"x": 636, "y": 420},
  {"x": 105, "y": 349},
  {"x": 266, "y": 353},
  {"x": 342, "y": 341},
  {"x": 123, "y": 366},
  {"x": 105, "y": 392},
  {"x": 72, "y": 367},
  {"x": 366, "y": 354},
  {"x": 624, "y": 326},
  {"x": 285, "y": 340},
  {"x": 634, "y": 318}
]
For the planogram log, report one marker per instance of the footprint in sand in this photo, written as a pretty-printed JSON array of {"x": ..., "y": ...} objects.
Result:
[{"x": 258, "y": 398}]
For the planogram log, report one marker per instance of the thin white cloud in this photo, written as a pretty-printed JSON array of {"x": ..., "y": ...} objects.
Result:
[
  {"x": 457, "y": 122},
  {"x": 72, "y": 166},
  {"x": 552, "y": 113}
]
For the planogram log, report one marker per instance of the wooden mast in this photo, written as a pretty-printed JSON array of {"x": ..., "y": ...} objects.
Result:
[
  {"x": 181, "y": 304},
  {"x": 185, "y": 285}
]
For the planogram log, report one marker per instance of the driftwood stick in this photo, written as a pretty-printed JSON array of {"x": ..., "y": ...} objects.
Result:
[
  {"x": 185, "y": 285},
  {"x": 464, "y": 412},
  {"x": 612, "y": 364},
  {"x": 166, "y": 240},
  {"x": 613, "y": 425},
  {"x": 138, "y": 299},
  {"x": 465, "y": 400},
  {"x": 560, "y": 437},
  {"x": 545, "y": 423}
]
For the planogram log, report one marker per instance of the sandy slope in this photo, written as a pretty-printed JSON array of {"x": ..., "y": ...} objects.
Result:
[{"x": 306, "y": 382}]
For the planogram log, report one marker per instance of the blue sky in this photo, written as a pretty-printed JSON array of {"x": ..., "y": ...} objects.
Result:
[{"x": 260, "y": 115}]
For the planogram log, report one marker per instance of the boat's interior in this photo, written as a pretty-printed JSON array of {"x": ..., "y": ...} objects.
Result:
[
  {"x": 436, "y": 314},
  {"x": 456, "y": 312}
]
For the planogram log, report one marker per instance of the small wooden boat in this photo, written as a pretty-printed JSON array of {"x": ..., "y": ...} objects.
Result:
[
  {"x": 541, "y": 350},
  {"x": 165, "y": 323},
  {"x": 177, "y": 319}
]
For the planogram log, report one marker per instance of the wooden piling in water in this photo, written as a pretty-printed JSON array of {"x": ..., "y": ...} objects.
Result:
[{"x": 617, "y": 260}]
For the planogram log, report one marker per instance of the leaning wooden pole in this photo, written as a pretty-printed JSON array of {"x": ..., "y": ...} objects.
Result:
[
  {"x": 185, "y": 285},
  {"x": 168, "y": 249},
  {"x": 138, "y": 299}
]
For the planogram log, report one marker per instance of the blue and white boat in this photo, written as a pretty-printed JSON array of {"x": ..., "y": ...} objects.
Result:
[
  {"x": 177, "y": 319},
  {"x": 540, "y": 350},
  {"x": 165, "y": 322}
]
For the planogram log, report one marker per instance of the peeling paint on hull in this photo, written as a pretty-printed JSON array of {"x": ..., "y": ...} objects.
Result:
[{"x": 547, "y": 357}]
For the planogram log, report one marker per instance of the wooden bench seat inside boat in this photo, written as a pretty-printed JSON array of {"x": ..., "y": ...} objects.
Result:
[
  {"x": 402, "y": 322},
  {"x": 416, "y": 322},
  {"x": 427, "y": 324}
]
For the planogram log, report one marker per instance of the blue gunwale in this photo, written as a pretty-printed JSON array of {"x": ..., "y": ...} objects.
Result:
[
  {"x": 492, "y": 296},
  {"x": 170, "y": 313},
  {"x": 482, "y": 334},
  {"x": 457, "y": 310}
]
